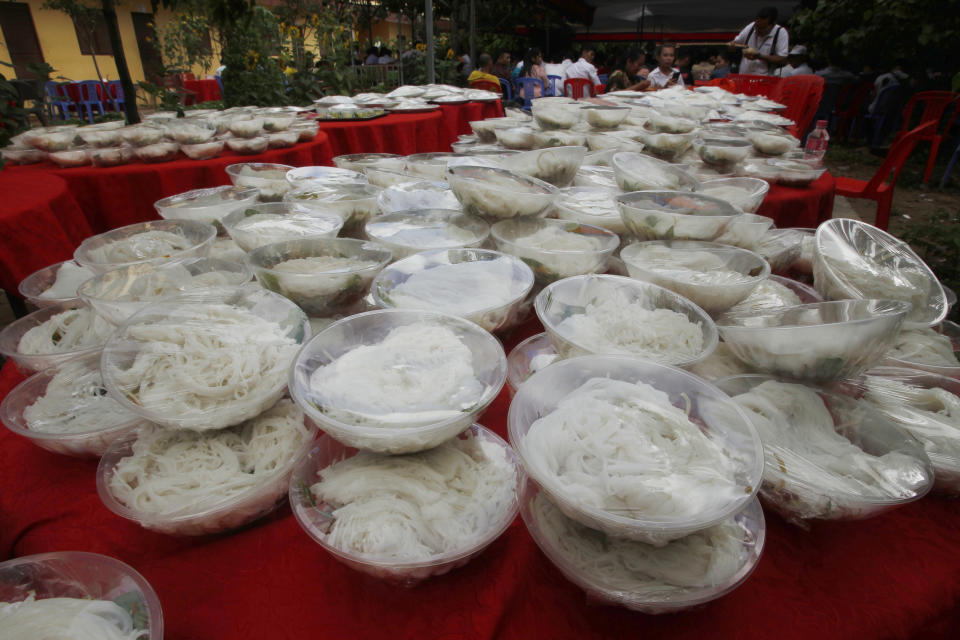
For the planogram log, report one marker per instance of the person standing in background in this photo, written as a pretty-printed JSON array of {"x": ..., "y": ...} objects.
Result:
[{"x": 765, "y": 44}]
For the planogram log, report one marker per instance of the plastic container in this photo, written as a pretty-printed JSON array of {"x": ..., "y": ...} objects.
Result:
[
  {"x": 772, "y": 143},
  {"x": 117, "y": 295},
  {"x": 355, "y": 203},
  {"x": 215, "y": 513},
  {"x": 520, "y": 138},
  {"x": 429, "y": 166},
  {"x": 590, "y": 205},
  {"x": 669, "y": 215},
  {"x": 206, "y": 205},
  {"x": 201, "y": 402},
  {"x": 707, "y": 283},
  {"x": 246, "y": 127},
  {"x": 794, "y": 482},
  {"x": 370, "y": 423},
  {"x": 594, "y": 177},
  {"x": 558, "y": 138},
  {"x": 317, "y": 519},
  {"x": 746, "y": 194},
  {"x": 258, "y": 225},
  {"x": 636, "y": 172},
  {"x": 407, "y": 232},
  {"x": 789, "y": 251},
  {"x": 571, "y": 296},
  {"x": 34, "y": 285},
  {"x": 816, "y": 145},
  {"x": 790, "y": 173},
  {"x": 551, "y": 115},
  {"x": 555, "y": 249},
  {"x": 159, "y": 152},
  {"x": 70, "y": 158},
  {"x": 320, "y": 292},
  {"x": 96, "y": 252},
  {"x": 722, "y": 152},
  {"x": 203, "y": 150},
  {"x": 818, "y": 342},
  {"x": 248, "y": 146},
  {"x": 657, "y": 597},
  {"x": 86, "y": 576},
  {"x": 852, "y": 259},
  {"x": 417, "y": 195},
  {"x": 498, "y": 193},
  {"x": 12, "y": 334},
  {"x": 916, "y": 359},
  {"x": 311, "y": 176},
  {"x": 555, "y": 165},
  {"x": 83, "y": 402},
  {"x": 357, "y": 162},
  {"x": 765, "y": 297},
  {"x": 528, "y": 357},
  {"x": 720, "y": 420},
  {"x": 600, "y": 117},
  {"x": 745, "y": 231},
  {"x": 457, "y": 289},
  {"x": 269, "y": 179},
  {"x": 111, "y": 156}
]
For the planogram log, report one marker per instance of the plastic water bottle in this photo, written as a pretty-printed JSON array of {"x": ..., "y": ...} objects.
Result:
[{"x": 816, "y": 146}]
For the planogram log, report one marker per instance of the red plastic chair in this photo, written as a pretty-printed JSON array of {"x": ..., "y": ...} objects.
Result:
[
  {"x": 936, "y": 105},
  {"x": 768, "y": 86},
  {"x": 723, "y": 83},
  {"x": 877, "y": 188},
  {"x": 577, "y": 86},
  {"x": 849, "y": 108},
  {"x": 802, "y": 96},
  {"x": 598, "y": 89}
]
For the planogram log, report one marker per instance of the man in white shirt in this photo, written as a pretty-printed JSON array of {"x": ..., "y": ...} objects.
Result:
[
  {"x": 764, "y": 43},
  {"x": 797, "y": 66},
  {"x": 583, "y": 68},
  {"x": 665, "y": 75}
]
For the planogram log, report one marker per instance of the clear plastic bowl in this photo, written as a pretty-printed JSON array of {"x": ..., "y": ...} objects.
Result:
[
  {"x": 713, "y": 295},
  {"x": 198, "y": 235},
  {"x": 719, "y": 418},
  {"x": 569, "y": 297},
  {"x": 186, "y": 133},
  {"x": 659, "y": 598},
  {"x": 23, "y": 156},
  {"x": 746, "y": 231},
  {"x": 417, "y": 195},
  {"x": 428, "y": 166},
  {"x": 122, "y": 349},
  {"x": 258, "y": 225},
  {"x": 248, "y": 146},
  {"x": 461, "y": 296},
  {"x": 790, "y": 173},
  {"x": 142, "y": 135},
  {"x": 99, "y": 137},
  {"x": 51, "y": 141},
  {"x": 357, "y": 162},
  {"x": 317, "y": 520},
  {"x": 246, "y": 127},
  {"x": 117, "y": 295},
  {"x": 671, "y": 215},
  {"x": 600, "y": 117},
  {"x": 555, "y": 165},
  {"x": 412, "y": 231},
  {"x": 368, "y": 428},
  {"x": 86, "y": 576},
  {"x": 551, "y": 115},
  {"x": 498, "y": 193},
  {"x": 947, "y": 328},
  {"x": 852, "y": 259},
  {"x": 789, "y": 251},
  {"x": 320, "y": 293},
  {"x": 355, "y": 203},
  {"x": 593, "y": 177},
  {"x": 206, "y": 205},
  {"x": 309, "y": 176},
  {"x": 111, "y": 156},
  {"x": 520, "y": 138},
  {"x": 559, "y": 138},
  {"x": 662, "y": 123},
  {"x": 41, "y": 280},
  {"x": 269, "y": 179},
  {"x": 667, "y": 146},
  {"x": 159, "y": 152},
  {"x": 528, "y": 357},
  {"x": 722, "y": 152},
  {"x": 819, "y": 342},
  {"x": 384, "y": 177},
  {"x": 590, "y": 205},
  {"x": 772, "y": 143},
  {"x": 576, "y": 248},
  {"x": 799, "y": 499},
  {"x": 11, "y": 335},
  {"x": 637, "y": 172},
  {"x": 746, "y": 194},
  {"x": 203, "y": 150},
  {"x": 70, "y": 158},
  {"x": 227, "y": 514}
]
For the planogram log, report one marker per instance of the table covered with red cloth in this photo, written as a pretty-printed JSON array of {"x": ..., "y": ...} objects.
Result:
[
  {"x": 206, "y": 89},
  {"x": 400, "y": 133},
  {"x": 893, "y": 576},
  {"x": 800, "y": 206},
  {"x": 457, "y": 117},
  {"x": 112, "y": 197},
  {"x": 40, "y": 224}
]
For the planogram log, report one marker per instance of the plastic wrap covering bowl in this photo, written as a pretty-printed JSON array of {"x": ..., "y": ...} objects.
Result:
[
  {"x": 486, "y": 287},
  {"x": 70, "y": 158},
  {"x": 403, "y": 407},
  {"x": 562, "y": 305},
  {"x": 551, "y": 115},
  {"x": 52, "y": 335},
  {"x": 209, "y": 512},
  {"x": 116, "y": 295},
  {"x": 111, "y": 156},
  {"x": 852, "y": 259},
  {"x": 51, "y": 140},
  {"x": 206, "y": 205},
  {"x": 308, "y": 176},
  {"x": 594, "y": 177},
  {"x": 636, "y": 172},
  {"x": 746, "y": 194},
  {"x": 85, "y": 576},
  {"x": 559, "y": 138},
  {"x": 498, "y": 193},
  {"x": 318, "y": 519},
  {"x": 18, "y": 155},
  {"x": 357, "y": 162},
  {"x": 671, "y": 215},
  {"x": 485, "y": 129},
  {"x": 381, "y": 176},
  {"x": 57, "y": 283},
  {"x": 231, "y": 369},
  {"x": 927, "y": 406},
  {"x": 666, "y": 146},
  {"x": 520, "y": 138},
  {"x": 807, "y": 474},
  {"x": 538, "y": 411},
  {"x": 270, "y": 179},
  {"x": 417, "y": 195},
  {"x": 556, "y": 249},
  {"x": 600, "y": 117},
  {"x": 590, "y": 205},
  {"x": 791, "y": 173},
  {"x": 556, "y": 165},
  {"x": 407, "y": 232},
  {"x": 355, "y": 203},
  {"x": 789, "y": 251},
  {"x": 322, "y": 276},
  {"x": 258, "y": 225},
  {"x": 932, "y": 350},
  {"x": 159, "y": 152},
  {"x": 772, "y": 143},
  {"x": 429, "y": 166},
  {"x": 714, "y": 276},
  {"x": 745, "y": 231},
  {"x": 819, "y": 342},
  {"x": 248, "y": 146},
  {"x": 722, "y": 152},
  {"x": 65, "y": 410},
  {"x": 203, "y": 150},
  {"x": 528, "y": 357},
  {"x": 152, "y": 242},
  {"x": 582, "y": 555}
]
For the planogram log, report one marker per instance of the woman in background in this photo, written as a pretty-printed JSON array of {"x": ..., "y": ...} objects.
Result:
[{"x": 533, "y": 68}]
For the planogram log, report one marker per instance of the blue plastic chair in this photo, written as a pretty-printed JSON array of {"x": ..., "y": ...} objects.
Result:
[
  {"x": 506, "y": 89},
  {"x": 603, "y": 78},
  {"x": 58, "y": 99},
  {"x": 525, "y": 88},
  {"x": 115, "y": 89},
  {"x": 553, "y": 84},
  {"x": 219, "y": 84},
  {"x": 89, "y": 100},
  {"x": 953, "y": 161}
]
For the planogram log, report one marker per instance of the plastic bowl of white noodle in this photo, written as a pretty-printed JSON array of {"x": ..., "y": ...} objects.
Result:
[
  {"x": 152, "y": 242},
  {"x": 38, "y": 341},
  {"x": 38, "y": 288}
]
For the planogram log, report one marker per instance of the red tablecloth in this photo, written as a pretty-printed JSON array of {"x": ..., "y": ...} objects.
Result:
[
  {"x": 894, "y": 576},
  {"x": 206, "y": 89},
  {"x": 800, "y": 206},
  {"x": 400, "y": 133},
  {"x": 112, "y": 197},
  {"x": 457, "y": 118},
  {"x": 40, "y": 224}
]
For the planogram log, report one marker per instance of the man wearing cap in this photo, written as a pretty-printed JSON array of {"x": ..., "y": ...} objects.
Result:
[
  {"x": 796, "y": 63},
  {"x": 764, "y": 43}
]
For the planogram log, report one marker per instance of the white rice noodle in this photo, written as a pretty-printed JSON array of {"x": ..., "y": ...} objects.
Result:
[
  {"x": 141, "y": 246},
  {"x": 69, "y": 278},
  {"x": 924, "y": 346},
  {"x": 75, "y": 401},
  {"x": 460, "y": 289},
  {"x": 66, "y": 619},
  {"x": 69, "y": 330}
]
